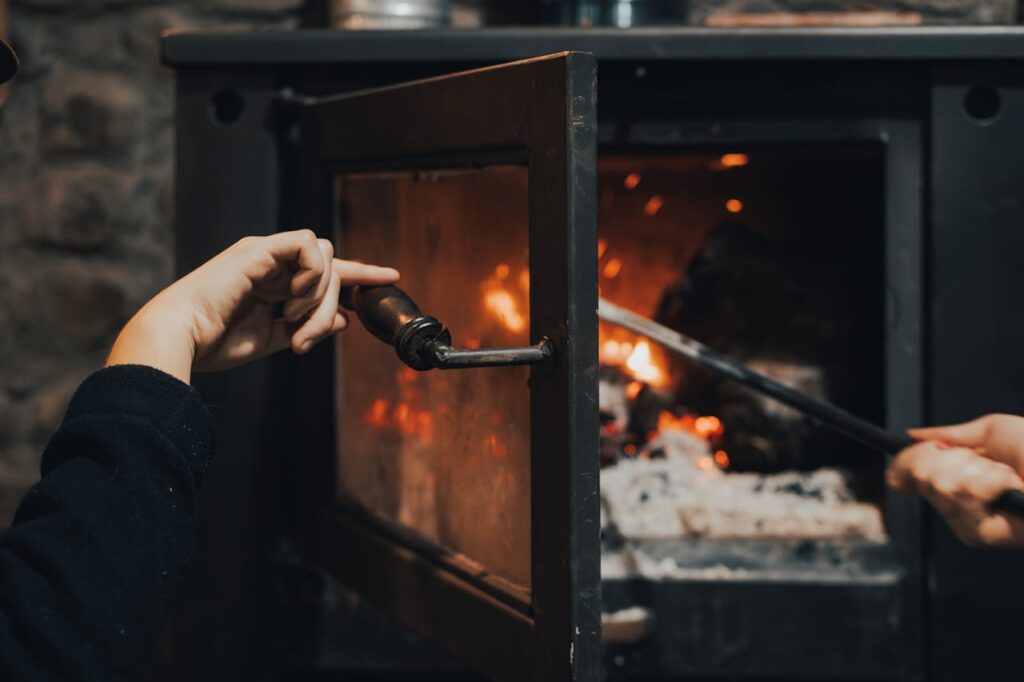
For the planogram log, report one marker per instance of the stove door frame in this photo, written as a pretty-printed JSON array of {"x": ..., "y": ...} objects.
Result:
[{"x": 540, "y": 112}]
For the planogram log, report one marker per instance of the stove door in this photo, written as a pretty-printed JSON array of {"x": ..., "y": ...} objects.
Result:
[{"x": 465, "y": 502}]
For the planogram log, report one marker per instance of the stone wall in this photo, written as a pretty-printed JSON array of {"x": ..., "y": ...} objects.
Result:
[{"x": 86, "y": 224}]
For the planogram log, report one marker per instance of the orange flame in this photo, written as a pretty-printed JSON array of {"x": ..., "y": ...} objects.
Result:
[
  {"x": 653, "y": 205},
  {"x": 612, "y": 268},
  {"x": 734, "y": 160},
  {"x": 722, "y": 459},
  {"x": 378, "y": 414},
  {"x": 640, "y": 364},
  {"x": 633, "y": 389},
  {"x": 503, "y": 305}
]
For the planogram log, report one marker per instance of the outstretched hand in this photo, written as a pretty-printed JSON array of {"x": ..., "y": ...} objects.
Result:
[
  {"x": 961, "y": 470},
  {"x": 221, "y": 314}
]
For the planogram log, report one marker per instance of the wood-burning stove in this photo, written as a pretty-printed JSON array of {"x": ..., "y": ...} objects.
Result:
[{"x": 838, "y": 206}]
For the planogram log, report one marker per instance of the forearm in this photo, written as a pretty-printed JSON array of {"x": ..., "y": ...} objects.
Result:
[{"x": 158, "y": 336}]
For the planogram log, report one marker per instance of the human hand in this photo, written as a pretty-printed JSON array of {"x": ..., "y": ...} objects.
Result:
[
  {"x": 961, "y": 470},
  {"x": 220, "y": 315}
]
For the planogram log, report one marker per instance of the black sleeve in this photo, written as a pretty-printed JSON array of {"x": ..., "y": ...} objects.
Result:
[{"x": 91, "y": 564}]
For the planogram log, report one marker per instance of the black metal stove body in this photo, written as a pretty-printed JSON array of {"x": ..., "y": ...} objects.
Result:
[{"x": 944, "y": 107}]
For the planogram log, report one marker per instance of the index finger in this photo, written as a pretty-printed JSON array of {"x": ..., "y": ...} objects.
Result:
[
  {"x": 350, "y": 272},
  {"x": 999, "y": 436}
]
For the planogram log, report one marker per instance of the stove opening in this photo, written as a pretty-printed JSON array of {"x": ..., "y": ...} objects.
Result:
[{"x": 775, "y": 256}]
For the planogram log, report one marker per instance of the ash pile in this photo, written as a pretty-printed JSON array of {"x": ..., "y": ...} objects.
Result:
[{"x": 672, "y": 508}]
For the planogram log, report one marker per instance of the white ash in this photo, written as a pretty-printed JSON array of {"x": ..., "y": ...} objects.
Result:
[{"x": 674, "y": 497}]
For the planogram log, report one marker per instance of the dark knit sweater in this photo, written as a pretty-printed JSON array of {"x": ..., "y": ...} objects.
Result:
[{"x": 91, "y": 564}]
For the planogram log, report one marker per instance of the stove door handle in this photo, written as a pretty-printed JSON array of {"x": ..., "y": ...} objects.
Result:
[{"x": 421, "y": 341}]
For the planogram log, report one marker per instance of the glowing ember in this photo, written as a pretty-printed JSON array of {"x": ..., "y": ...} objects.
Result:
[
  {"x": 632, "y": 181},
  {"x": 708, "y": 426},
  {"x": 502, "y": 271},
  {"x": 612, "y": 268},
  {"x": 629, "y": 450},
  {"x": 524, "y": 280},
  {"x": 722, "y": 459},
  {"x": 504, "y": 306},
  {"x": 669, "y": 422},
  {"x": 734, "y": 206},
  {"x": 378, "y": 414},
  {"x": 602, "y": 246},
  {"x": 472, "y": 343},
  {"x": 734, "y": 160},
  {"x": 497, "y": 446},
  {"x": 633, "y": 389},
  {"x": 642, "y": 367},
  {"x": 653, "y": 205}
]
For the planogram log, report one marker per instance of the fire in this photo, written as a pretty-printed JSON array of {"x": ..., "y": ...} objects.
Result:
[
  {"x": 734, "y": 206},
  {"x": 633, "y": 389},
  {"x": 612, "y": 268},
  {"x": 708, "y": 426},
  {"x": 632, "y": 181},
  {"x": 403, "y": 418},
  {"x": 504, "y": 306},
  {"x": 640, "y": 364},
  {"x": 653, "y": 205},
  {"x": 602, "y": 246},
  {"x": 378, "y": 414},
  {"x": 498, "y": 448},
  {"x": 500, "y": 299},
  {"x": 734, "y": 160}
]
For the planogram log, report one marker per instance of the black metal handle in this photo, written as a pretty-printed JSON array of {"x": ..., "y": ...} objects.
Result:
[{"x": 421, "y": 341}]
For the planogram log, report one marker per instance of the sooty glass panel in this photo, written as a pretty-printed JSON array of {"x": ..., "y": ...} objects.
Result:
[{"x": 443, "y": 453}]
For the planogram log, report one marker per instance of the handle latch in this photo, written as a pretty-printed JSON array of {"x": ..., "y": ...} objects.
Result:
[{"x": 421, "y": 341}]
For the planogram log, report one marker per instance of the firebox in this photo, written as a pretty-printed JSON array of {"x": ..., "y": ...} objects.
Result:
[{"x": 835, "y": 208}]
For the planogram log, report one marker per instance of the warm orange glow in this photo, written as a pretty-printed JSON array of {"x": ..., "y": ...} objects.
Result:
[
  {"x": 734, "y": 160},
  {"x": 722, "y": 459},
  {"x": 653, "y": 205},
  {"x": 705, "y": 464},
  {"x": 612, "y": 268},
  {"x": 602, "y": 246},
  {"x": 502, "y": 271},
  {"x": 669, "y": 422},
  {"x": 629, "y": 449},
  {"x": 708, "y": 426},
  {"x": 472, "y": 343},
  {"x": 611, "y": 353},
  {"x": 407, "y": 375},
  {"x": 632, "y": 181},
  {"x": 504, "y": 306},
  {"x": 524, "y": 280},
  {"x": 497, "y": 446},
  {"x": 642, "y": 367},
  {"x": 633, "y": 389},
  {"x": 378, "y": 414},
  {"x": 734, "y": 206}
]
